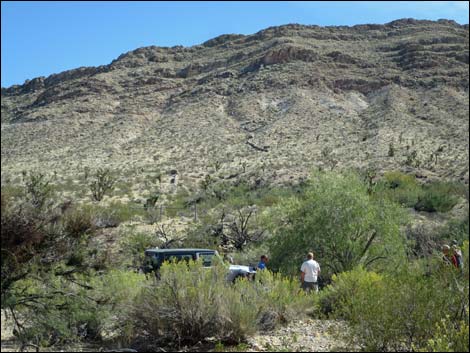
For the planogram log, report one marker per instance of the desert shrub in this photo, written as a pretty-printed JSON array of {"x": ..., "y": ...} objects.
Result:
[
  {"x": 227, "y": 229},
  {"x": 399, "y": 187},
  {"x": 341, "y": 223},
  {"x": 404, "y": 310},
  {"x": 345, "y": 286},
  {"x": 116, "y": 291},
  {"x": 438, "y": 196},
  {"x": 184, "y": 304},
  {"x": 134, "y": 244},
  {"x": 61, "y": 311},
  {"x": 54, "y": 311},
  {"x": 77, "y": 221},
  {"x": 22, "y": 237},
  {"x": 192, "y": 303},
  {"x": 449, "y": 336},
  {"x": 205, "y": 234},
  {"x": 112, "y": 215},
  {"x": 424, "y": 240},
  {"x": 281, "y": 297},
  {"x": 456, "y": 229}
]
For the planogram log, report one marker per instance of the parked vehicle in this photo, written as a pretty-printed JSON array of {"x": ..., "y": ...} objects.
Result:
[{"x": 154, "y": 258}]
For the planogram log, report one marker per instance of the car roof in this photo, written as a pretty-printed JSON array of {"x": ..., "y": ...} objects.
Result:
[{"x": 163, "y": 251}]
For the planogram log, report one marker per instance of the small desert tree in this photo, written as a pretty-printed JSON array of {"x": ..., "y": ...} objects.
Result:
[
  {"x": 241, "y": 231},
  {"x": 102, "y": 183},
  {"x": 341, "y": 223}
]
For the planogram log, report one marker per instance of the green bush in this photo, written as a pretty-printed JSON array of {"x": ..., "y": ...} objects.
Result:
[
  {"x": 36, "y": 240},
  {"x": 192, "y": 303},
  {"x": 345, "y": 287},
  {"x": 133, "y": 245},
  {"x": 38, "y": 189},
  {"x": 340, "y": 223},
  {"x": 438, "y": 196},
  {"x": 456, "y": 229},
  {"x": 58, "y": 311},
  {"x": 449, "y": 336},
  {"x": 112, "y": 215},
  {"x": 399, "y": 187},
  {"x": 404, "y": 310}
]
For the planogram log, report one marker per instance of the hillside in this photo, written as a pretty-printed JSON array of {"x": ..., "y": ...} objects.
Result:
[{"x": 279, "y": 102}]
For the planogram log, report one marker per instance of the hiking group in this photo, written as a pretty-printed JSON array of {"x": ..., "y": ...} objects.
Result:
[
  {"x": 453, "y": 255},
  {"x": 310, "y": 269}
]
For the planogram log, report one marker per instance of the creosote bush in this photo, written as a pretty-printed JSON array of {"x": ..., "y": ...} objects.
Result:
[
  {"x": 417, "y": 307},
  {"x": 78, "y": 221},
  {"x": 438, "y": 196},
  {"x": 191, "y": 303},
  {"x": 399, "y": 187}
]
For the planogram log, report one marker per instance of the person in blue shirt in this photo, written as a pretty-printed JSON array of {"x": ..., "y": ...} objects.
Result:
[{"x": 262, "y": 263}]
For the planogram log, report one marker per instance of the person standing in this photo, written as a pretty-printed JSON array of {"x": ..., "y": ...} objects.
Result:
[
  {"x": 309, "y": 272},
  {"x": 457, "y": 254},
  {"x": 449, "y": 256},
  {"x": 263, "y": 262}
]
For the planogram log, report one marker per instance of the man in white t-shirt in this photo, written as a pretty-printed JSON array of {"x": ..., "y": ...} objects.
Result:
[{"x": 310, "y": 271}]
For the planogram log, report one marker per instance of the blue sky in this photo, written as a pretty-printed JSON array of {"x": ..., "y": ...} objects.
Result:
[{"x": 41, "y": 38}]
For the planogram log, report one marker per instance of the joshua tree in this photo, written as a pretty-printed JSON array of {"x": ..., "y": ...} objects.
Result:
[
  {"x": 244, "y": 164},
  {"x": 391, "y": 150},
  {"x": 103, "y": 183},
  {"x": 38, "y": 189},
  {"x": 328, "y": 157},
  {"x": 370, "y": 175},
  {"x": 412, "y": 159}
]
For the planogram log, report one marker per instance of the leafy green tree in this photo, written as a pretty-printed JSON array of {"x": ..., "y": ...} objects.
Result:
[{"x": 340, "y": 223}]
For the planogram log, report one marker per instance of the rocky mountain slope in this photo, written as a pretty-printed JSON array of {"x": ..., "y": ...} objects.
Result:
[{"x": 279, "y": 102}]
